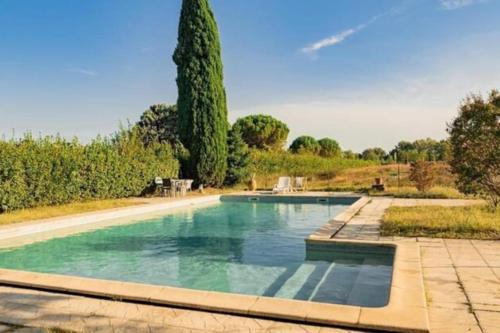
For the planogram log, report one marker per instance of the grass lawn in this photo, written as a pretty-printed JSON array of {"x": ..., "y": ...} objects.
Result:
[
  {"x": 436, "y": 192},
  {"x": 62, "y": 210},
  {"x": 442, "y": 222}
]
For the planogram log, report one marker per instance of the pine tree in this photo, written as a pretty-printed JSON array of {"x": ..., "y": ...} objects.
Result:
[{"x": 202, "y": 107}]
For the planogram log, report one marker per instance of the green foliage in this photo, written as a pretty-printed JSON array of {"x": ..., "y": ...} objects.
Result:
[
  {"x": 159, "y": 124},
  {"x": 423, "y": 175},
  {"x": 329, "y": 148},
  {"x": 421, "y": 150},
  {"x": 53, "y": 171},
  {"x": 305, "y": 145},
  {"x": 374, "y": 154},
  {"x": 350, "y": 155},
  {"x": 238, "y": 159},
  {"x": 203, "y": 125},
  {"x": 263, "y": 131},
  {"x": 475, "y": 144}
]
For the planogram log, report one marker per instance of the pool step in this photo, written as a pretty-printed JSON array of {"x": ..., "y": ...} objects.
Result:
[
  {"x": 367, "y": 289},
  {"x": 336, "y": 284},
  {"x": 295, "y": 282}
]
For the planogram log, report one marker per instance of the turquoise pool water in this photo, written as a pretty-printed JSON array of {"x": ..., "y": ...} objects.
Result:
[{"x": 240, "y": 247}]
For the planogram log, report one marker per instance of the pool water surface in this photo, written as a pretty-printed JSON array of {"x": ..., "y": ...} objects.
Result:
[{"x": 254, "y": 248}]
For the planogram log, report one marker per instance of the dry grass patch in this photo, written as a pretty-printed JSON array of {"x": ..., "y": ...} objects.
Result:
[
  {"x": 475, "y": 221},
  {"x": 63, "y": 210},
  {"x": 436, "y": 192}
]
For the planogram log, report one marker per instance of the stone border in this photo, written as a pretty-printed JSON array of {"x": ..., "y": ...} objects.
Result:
[
  {"x": 405, "y": 312},
  {"x": 333, "y": 226}
]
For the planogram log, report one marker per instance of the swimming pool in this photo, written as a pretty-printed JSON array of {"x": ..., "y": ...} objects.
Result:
[{"x": 238, "y": 246}]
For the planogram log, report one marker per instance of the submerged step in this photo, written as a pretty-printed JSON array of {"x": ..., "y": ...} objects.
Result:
[{"x": 293, "y": 285}]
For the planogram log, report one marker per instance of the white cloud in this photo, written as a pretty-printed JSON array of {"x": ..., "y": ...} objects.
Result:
[
  {"x": 341, "y": 36},
  {"x": 330, "y": 41},
  {"x": 456, "y": 4},
  {"x": 82, "y": 71}
]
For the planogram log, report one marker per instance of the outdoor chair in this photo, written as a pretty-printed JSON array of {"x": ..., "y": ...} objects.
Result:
[
  {"x": 159, "y": 185},
  {"x": 300, "y": 184},
  {"x": 284, "y": 185},
  {"x": 189, "y": 185}
]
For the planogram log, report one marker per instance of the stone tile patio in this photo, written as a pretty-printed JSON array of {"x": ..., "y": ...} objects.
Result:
[{"x": 461, "y": 277}]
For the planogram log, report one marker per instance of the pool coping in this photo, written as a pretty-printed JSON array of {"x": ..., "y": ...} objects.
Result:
[{"x": 405, "y": 312}]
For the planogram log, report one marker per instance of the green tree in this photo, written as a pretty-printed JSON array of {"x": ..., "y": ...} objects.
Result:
[
  {"x": 305, "y": 144},
  {"x": 373, "y": 154},
  {"x": 238, "y": 159},
  {"x": 262, "y": 131},
  {"x": 202, "y": 124},
  {"x": 329, "y": 148},
  {"x": 475, "y": 146},
  {"x": 159, "y": 124},
  {"x": 350, "y": 155}
]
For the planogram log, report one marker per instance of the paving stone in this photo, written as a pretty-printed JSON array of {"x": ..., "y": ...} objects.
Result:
[
  {"x": 456, "y": 321},
  {"x": 490, "y": 321}
]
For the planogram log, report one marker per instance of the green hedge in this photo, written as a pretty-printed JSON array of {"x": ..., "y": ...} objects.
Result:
[{"x": 53, "y": 171}]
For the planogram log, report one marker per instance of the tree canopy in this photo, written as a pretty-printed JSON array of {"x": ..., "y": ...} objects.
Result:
[
  {"x": 159, "y": 124},
  {"x": 262, "y": 131},
  {"x": 305, "y": 144},
  {"x": 475, "y": 145},
  {"x": 373, "y": 154},
  {"x": 329, "y": 148}
]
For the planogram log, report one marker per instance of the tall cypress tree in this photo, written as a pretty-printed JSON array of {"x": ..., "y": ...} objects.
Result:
[{"x": 202, "y": 107}]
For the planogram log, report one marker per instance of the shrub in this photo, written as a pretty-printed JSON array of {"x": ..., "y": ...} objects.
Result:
[
  {"x": 329, "y": 148},
  {"x": 53, "y": 171},
  {"x": 423, "y": 175},
  {"x": 305, "y": 144},
  {"x": 262, "y": 131}
]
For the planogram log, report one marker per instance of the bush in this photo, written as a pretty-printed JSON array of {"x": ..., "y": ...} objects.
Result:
[
  {"x": 423, "y": 175},
  {"x": 305, "y": 144},
  {"x": 262, "y": 131},
  {"x": 53, "y": 171}
]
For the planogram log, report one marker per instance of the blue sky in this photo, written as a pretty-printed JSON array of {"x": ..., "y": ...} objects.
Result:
[{"x": 367, "y": 73}]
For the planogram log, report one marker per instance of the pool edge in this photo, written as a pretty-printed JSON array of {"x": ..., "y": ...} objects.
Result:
[{"x": 405, "y": 312}]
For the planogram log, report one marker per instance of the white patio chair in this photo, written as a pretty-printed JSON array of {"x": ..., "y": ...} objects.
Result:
[
  {"x": 284, "y": 185},
  {"x": 300, "y": 184}
]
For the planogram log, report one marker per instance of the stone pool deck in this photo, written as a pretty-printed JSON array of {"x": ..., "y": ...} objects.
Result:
[{"x": 461, "y": 278}]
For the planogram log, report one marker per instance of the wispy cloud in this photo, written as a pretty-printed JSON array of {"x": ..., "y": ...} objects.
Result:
[
  {"x": 82, "y": 71},
  {"x": 341, "y": 36},
  {"x": 456, "y": 4},
  {"x": 332, "y": 40}
]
